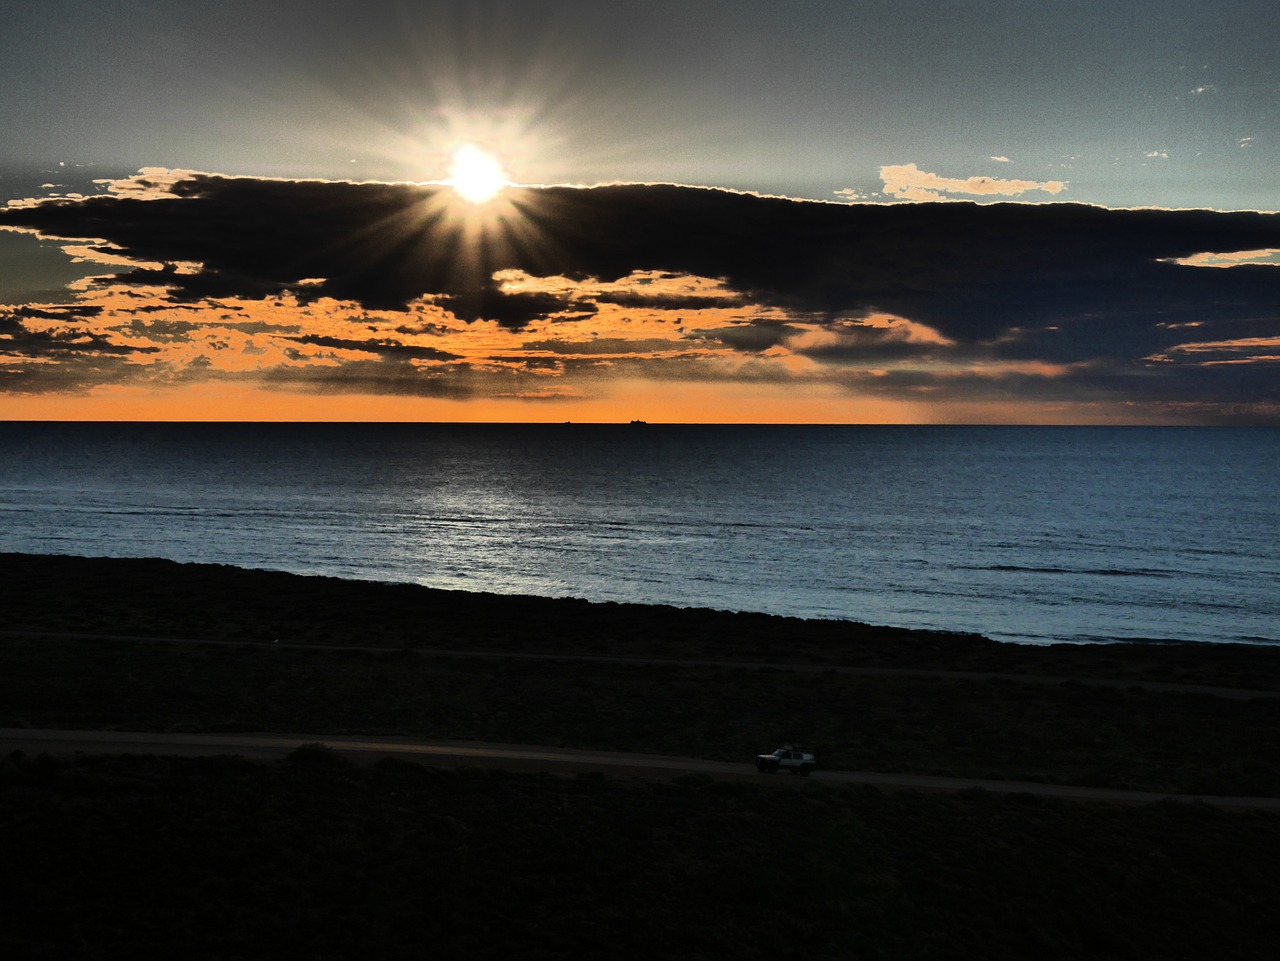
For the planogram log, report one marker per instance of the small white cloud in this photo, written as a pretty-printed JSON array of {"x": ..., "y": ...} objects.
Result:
[
  {"x": 1152, "y": 154},
  {"x": 1245, "y": 142},
  {"x": 1203, "y": 88},
  {"x": 850, "y": 194},
  {"x": 1001, "y": 159}
]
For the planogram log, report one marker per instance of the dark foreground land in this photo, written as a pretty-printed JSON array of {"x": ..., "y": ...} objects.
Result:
[
  {"x": 143, "y": 857},
  {"x": 316, "y": 857}
]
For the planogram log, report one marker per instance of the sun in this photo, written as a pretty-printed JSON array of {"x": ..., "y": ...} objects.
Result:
[{"x": 476, "y": 174}]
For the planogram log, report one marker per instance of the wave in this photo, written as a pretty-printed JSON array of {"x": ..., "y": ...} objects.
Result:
[{"x": 1077, "y": 571}]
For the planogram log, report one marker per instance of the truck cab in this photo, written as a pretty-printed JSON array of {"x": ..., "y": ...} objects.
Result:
[{"x": 797, "y": 760}]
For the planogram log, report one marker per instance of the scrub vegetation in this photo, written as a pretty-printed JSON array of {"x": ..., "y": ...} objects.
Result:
[
  {"x": 311, "y": 857},
  {"x": 1065, "y": 733}
]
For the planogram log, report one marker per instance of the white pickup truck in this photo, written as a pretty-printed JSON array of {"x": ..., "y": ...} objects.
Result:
[{"x": 786, "y": 758}]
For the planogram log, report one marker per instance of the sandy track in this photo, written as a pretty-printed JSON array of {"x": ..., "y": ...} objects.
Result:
[{"x": 551, "y": 759}]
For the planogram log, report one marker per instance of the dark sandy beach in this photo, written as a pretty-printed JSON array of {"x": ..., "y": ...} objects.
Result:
[{"x": 157, "y": 598}]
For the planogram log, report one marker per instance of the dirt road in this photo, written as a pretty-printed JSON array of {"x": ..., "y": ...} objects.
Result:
[{"x": 534, "y": 758}]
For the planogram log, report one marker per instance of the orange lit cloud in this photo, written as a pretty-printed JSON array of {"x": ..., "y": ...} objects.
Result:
[
  {"x": 224, "y": 295},
  {"x": 1269, "y": 257},
  {"x": 646, "y": 329},
  {"x": 1246, "y": 350},
  {"x": 909, "y": 182}
]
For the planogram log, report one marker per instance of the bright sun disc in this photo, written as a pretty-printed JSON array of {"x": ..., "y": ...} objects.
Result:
[{"x": 475, "y": 174}]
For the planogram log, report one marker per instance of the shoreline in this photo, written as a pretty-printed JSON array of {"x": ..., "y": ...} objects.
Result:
[
  {"x": 147, "y": 597},
  {"x": 515, "y": 597}
]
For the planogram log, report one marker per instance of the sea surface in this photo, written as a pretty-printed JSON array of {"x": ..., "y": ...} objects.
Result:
[{"x": 1024, "y": 534}]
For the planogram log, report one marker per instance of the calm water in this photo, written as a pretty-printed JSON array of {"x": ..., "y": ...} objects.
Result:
[{"x": 1028, "y": 534}]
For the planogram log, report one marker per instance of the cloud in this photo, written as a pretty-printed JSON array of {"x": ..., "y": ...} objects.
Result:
[
  {"x": 874, "y": 340},
  {"x": 1246, "y": 350},
  {"x": 48, "y": 335},
  {"x": 909, "y": 182},
  {"x": 1001, "y": 159},
  {"x": 333, "y": 287},
  {"x": 382, "y": 347},
  {"x": 1236, "y": 258}
]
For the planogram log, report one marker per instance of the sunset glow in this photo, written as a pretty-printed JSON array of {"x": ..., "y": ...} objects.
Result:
[
  {"x": 519, "y": 216},
  {"x": 443, "y": 442}
]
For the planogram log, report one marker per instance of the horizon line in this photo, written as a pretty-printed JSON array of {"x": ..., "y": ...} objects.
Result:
[{"x": 633, "y": 423}]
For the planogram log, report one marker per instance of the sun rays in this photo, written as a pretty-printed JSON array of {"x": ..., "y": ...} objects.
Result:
[{"x": 476, "y": 174}]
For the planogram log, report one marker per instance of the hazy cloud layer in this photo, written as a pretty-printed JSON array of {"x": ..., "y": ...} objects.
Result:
[{"x": 398, "y": 288}]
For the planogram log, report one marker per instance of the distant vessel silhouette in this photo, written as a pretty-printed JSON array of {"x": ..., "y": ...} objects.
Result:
[{"x": 635, "y": 422}]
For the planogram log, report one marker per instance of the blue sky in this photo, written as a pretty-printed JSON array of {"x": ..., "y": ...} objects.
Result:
[{"x": 1170, "y": 103}]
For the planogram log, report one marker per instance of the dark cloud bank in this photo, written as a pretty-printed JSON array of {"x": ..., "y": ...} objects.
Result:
[{"x": 1060, "y": 283}]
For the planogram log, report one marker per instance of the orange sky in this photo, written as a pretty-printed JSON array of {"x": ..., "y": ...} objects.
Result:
[{"x": 691, "y": 403}]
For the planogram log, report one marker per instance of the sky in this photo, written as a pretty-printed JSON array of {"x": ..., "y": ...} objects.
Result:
[{"x": 855, "y": 212}]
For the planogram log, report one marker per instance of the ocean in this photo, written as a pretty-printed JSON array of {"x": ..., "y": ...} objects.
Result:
[{"x": 1024, "y": 534}]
